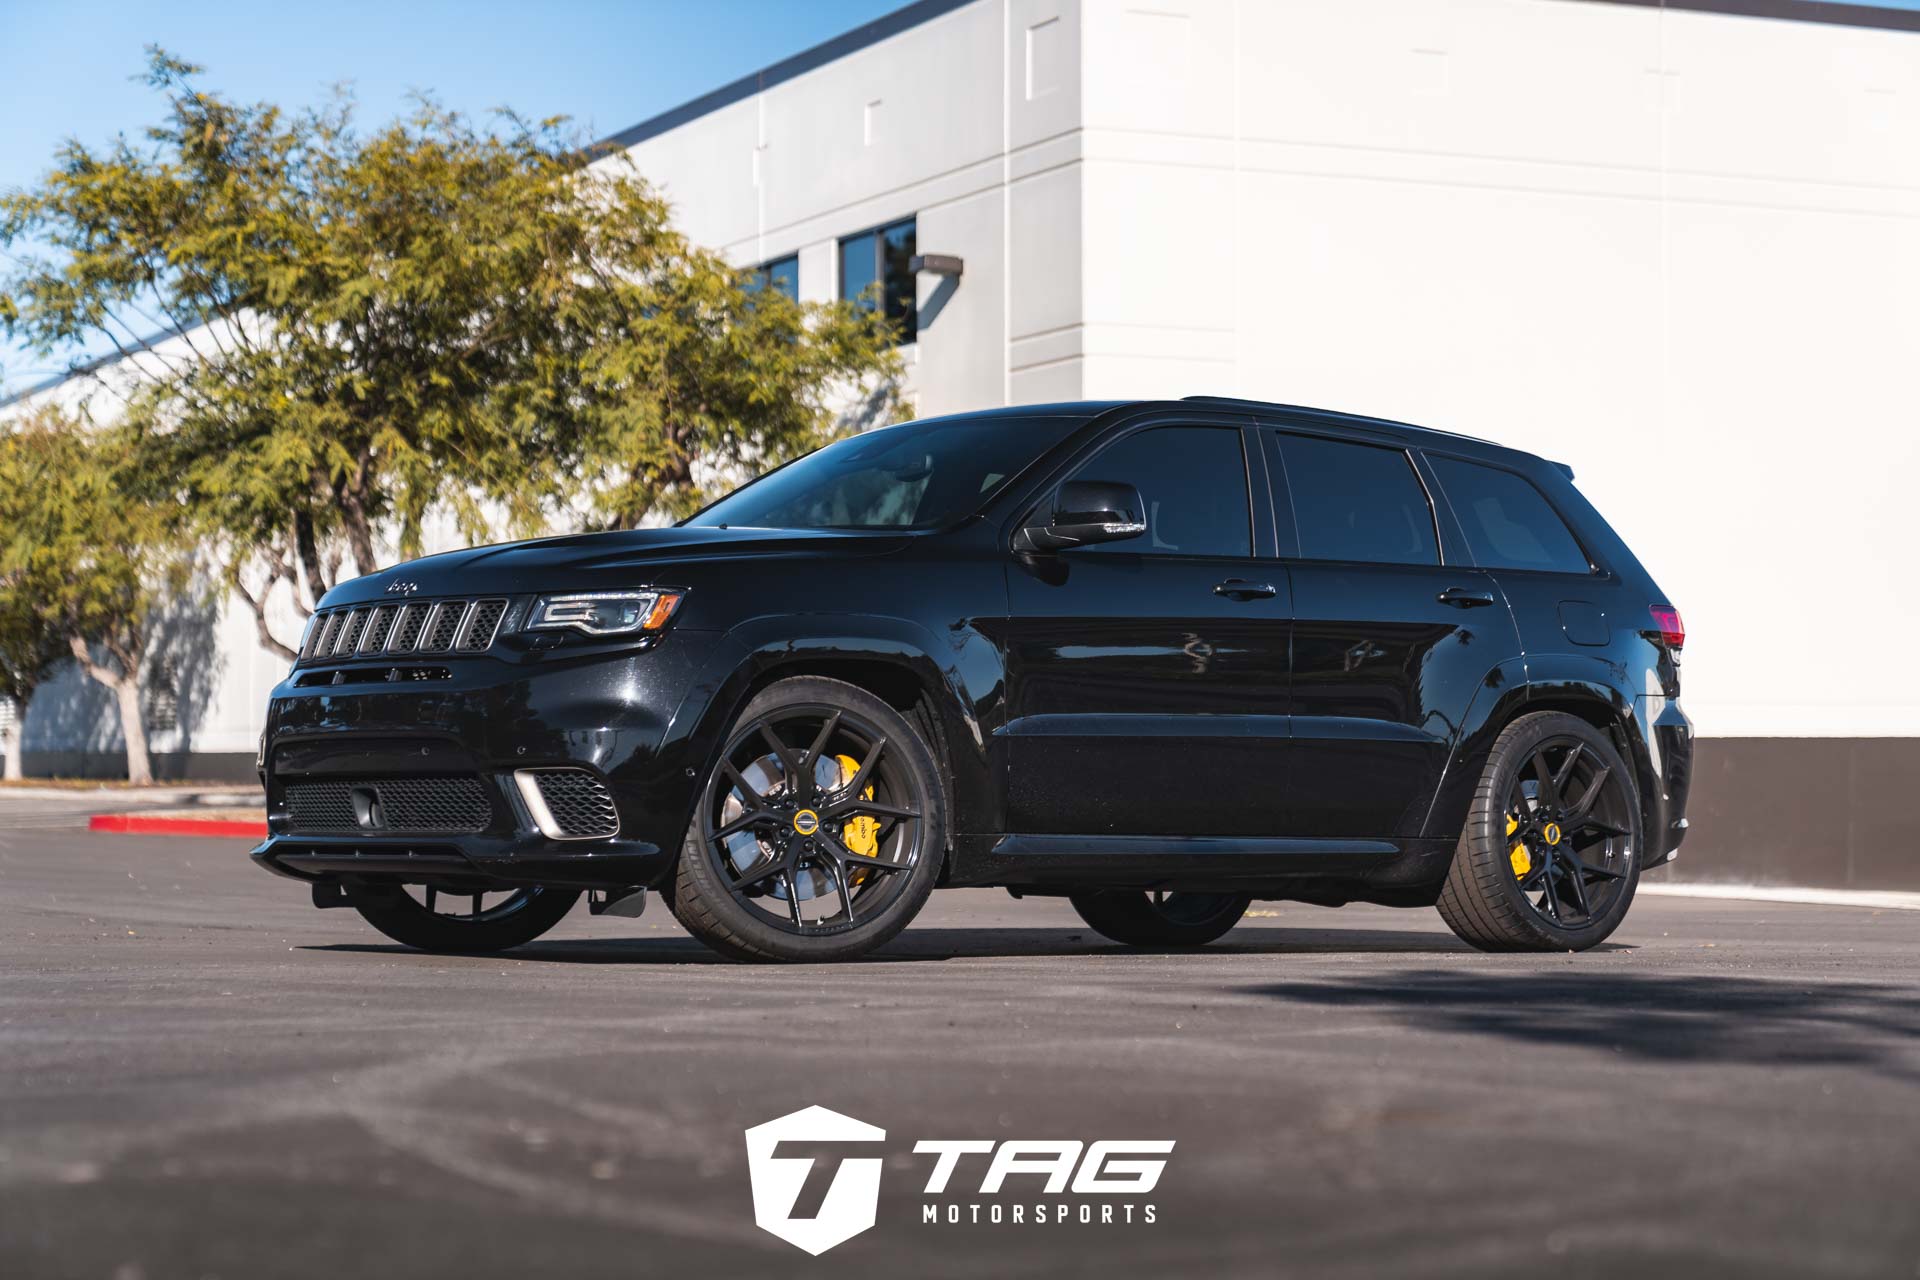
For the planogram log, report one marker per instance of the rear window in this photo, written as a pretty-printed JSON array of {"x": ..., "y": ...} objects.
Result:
[
  {"x": 1508, "y": 523},
  {"x": 1358, "y": 502}
]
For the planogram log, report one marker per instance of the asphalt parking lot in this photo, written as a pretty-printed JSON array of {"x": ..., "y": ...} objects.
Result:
[{"x": 200, "y": 1075}]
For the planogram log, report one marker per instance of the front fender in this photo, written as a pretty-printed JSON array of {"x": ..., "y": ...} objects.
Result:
[{"x": 960, "y": 673}]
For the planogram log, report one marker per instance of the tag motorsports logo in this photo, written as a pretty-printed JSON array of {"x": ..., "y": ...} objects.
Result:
[{"x": 816, "y": 1178}]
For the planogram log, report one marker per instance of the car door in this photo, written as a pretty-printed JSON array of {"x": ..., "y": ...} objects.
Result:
[
  {"x": 1391, "y": 640},
  {"x": 1147, "y": 678}
]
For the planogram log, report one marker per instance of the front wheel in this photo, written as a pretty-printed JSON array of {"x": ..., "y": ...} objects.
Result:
[
  {"x": 460, "y": 921},
  {"x": 1550, "y": 854},
  {"x": 1138, "y": 918},
  {"x": 820, "y": 831}
]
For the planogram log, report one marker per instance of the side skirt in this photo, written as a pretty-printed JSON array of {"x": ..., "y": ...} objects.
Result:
[{"x": 1277, "y": 866}]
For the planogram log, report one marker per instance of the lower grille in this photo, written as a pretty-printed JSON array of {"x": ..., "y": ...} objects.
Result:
[
  {"x": 577, "y": 804},
  {"x": 399, "y": 805}
]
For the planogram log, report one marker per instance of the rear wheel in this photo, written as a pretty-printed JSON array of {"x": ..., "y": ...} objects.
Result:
[
  {"x": 1140, "y": 918},
  {"x": 1550, "y": 854},
  {"x": 820, "y": 831},
  {"x": 460, "y": 921}
]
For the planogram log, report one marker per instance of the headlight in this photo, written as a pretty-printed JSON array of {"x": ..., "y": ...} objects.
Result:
[{"x": 604, "y": 613}]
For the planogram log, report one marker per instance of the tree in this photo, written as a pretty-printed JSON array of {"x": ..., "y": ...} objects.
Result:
[
  {"x": 80, "y": 565},
  {"x": 431, "y": 319},
  {"x": 28, "y": 651}
]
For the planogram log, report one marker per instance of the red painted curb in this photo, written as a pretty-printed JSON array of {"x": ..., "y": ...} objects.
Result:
[{"x": 135, "y": 824}]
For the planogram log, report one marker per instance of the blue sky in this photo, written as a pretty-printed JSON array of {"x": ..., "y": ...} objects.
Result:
[{"x": 608, "y": 65}]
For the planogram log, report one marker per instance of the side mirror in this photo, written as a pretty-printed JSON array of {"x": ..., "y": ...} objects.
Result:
[{"x": 1086, "y": 512}]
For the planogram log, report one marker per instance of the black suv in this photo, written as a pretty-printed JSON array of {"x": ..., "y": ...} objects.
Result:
[{"x": 1160, "y": 658}]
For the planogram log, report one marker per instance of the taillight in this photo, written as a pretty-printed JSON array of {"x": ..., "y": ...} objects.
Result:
[{"x": 1666, "y": 620}]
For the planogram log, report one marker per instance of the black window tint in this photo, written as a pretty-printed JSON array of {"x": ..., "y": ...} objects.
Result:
[
  {"x": 1358, "y": 502},
  {"x": 1509, "y": 525},
  {"x": 875, "y": 270},
  {"x": 918, "y": 475},
  {"x": 1194, "y": 482}
]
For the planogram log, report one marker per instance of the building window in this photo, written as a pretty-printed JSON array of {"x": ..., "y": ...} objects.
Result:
[
  {"x": 782, "y": 275},
  {"x": 875, "y": 270}
]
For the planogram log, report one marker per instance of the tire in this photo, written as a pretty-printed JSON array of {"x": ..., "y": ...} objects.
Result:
[
  {"x": 1483, "y": 900},
  {"x": 1136, "y": 918},
  {"x": 517, "y": 921},
  {"x": 745, "y": 922}
]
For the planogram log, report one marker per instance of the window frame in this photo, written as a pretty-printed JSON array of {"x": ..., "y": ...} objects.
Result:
[
  {"x": 1286, "y": 516},
  {"x": 1257, "y": 472},
  {"x": 1595, "y": 567},
  {"x": 878, "y": 231}
]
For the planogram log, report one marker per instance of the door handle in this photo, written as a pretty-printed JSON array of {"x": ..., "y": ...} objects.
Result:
[
  {"x": 1461, "y": 598},
  {"x": 1241, "y": 589}
]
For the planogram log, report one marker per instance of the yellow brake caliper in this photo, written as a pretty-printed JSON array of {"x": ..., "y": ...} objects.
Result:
[
  {"x": 861, "y": 835},
  {"x": 1522, "y": 861}
]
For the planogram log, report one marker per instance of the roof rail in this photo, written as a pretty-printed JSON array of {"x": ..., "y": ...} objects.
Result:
[{"x": 1336, "y": 413}]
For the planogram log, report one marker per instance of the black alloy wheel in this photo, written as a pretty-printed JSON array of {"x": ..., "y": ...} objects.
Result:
[
  {"x": 460, "y": 919},
  {"x": 819, "y": 830},
  {"x": 1549, "y": 859},
  {"x": 1159, "y": 917}
]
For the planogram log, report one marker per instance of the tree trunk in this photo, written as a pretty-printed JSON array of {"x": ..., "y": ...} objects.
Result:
[
  {"x": 10, "y": 744},
  {"x": 353, "y": 519},
  {"x": 134, "y": 730},
  {"x": 126, "y": 692}
]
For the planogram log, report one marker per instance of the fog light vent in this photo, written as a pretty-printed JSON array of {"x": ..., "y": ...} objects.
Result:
[{"x": 568, "y": 804}]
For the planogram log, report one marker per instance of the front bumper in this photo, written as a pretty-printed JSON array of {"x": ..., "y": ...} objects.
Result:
[
  {"x": 625, "y": 715},
  {"x": 491, "y": 862}
]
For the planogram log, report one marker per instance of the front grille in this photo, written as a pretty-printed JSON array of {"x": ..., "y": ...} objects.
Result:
[
  {"x": 486, "y": 616},
  {"x": 446, "y": 625},
  {"x": 581, "y": 806},
  {"x": 420, "y": 626},
  {"x": 398, "y": 805}
]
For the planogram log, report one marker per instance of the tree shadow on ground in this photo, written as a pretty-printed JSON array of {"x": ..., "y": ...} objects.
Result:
[{"x": 1668, "y": 1017}]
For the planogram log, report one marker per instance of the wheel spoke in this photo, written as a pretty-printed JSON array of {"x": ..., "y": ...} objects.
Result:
[
  {"x": 432, "y": 895},
  {"x": 1549, "y": 795},
  {"x": 1585, "y": 804},
  {"x": 857, "y": 804},
  {"x": 854, "y": 786},
  {"x": 820, "y": 741},
  {"x": 793, "y": 898},
  {"x": 848, "y": 857},
  {"x": 1552, "y": 900},
  {"x": 757, "y": 872},
  {"x": 1596, "y": 824},
  {"x": 1576, "y": 886},
  {"x": 838, "y": 870},
  {"x": 751, "y": 818},
  {"x": 1564, "y": 774},
  {"x": 476, "y": 905},
  {"x": 753, "y": 798},
  {"x": 1587, "y": 868},
  {"x": 796, "y": 781}
]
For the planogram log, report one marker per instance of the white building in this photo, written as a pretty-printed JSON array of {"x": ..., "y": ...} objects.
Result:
[{"x": 1676, "y": 246}]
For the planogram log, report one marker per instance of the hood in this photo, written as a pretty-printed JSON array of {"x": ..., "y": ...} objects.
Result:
[{"x": 593, "y": 561}]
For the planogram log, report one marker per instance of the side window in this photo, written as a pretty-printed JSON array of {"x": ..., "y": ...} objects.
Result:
[
  {"x": 782, "y": 275},
  {"x": 1508, "y": 524},
  {"x": 1358, "y": 502},
  {"x": 876, "y": 270},
  {"x": 1194, "y": 482}
]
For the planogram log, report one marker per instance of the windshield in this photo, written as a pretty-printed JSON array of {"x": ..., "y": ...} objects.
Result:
[{"x": 919, "y": 475}]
